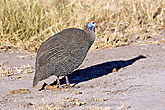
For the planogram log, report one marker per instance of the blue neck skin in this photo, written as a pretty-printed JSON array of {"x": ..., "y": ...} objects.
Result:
[{"x": 91, "y": 27}]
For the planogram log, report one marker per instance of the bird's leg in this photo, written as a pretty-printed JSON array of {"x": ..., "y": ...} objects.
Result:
[
  {"x": 67, "y": 81},
  {"x": 58, "y": 82}
]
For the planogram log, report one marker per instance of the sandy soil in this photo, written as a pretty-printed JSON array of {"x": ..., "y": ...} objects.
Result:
[{"x": 129, "y": 77}]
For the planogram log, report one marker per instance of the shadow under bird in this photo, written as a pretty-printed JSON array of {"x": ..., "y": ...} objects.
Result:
[{"x": 62, "y": 53}]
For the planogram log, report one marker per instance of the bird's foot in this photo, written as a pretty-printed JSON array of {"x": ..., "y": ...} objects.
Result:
[
  {"x": 59, "y": 86},
  {"x": 43, "y": 86},
  {"x": 67, "y": 86},
  {"x": 48, "y": 87},
  {"x": 55, "y": 87},
  {"x": 70, "y": 86}
]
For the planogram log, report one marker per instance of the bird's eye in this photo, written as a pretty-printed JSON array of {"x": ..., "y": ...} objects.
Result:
[{"x": 93, "y": 22}]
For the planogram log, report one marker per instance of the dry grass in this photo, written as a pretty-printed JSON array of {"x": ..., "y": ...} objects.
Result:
[{"x": 27, "y": 23}]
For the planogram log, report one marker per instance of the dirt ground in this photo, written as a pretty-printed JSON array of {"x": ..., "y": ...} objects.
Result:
[{"x": 130, "y": 77}]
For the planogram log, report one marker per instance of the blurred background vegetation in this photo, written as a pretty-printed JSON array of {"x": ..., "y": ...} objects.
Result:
[{"x": 28, "y": 23}]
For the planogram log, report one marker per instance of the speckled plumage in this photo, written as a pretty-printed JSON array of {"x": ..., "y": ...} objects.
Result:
[{"x": 62, "y": 53}]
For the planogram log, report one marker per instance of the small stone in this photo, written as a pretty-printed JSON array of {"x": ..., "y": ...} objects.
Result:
[
  {"x": 78, "y": 92},
  {"x": 114, "y": 70},
  {"x": 102, "y": 99},
  {"x": 83, "y": 103},
  {"x": 64, "y": 98},
  {"x": 78, "y": 103}
]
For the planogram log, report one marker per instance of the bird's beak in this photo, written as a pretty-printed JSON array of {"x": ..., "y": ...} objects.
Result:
[{"x": 96, "y": 23}]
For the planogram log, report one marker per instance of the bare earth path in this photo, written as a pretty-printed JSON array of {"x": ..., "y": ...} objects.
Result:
[{"x": 138, "y": 83}]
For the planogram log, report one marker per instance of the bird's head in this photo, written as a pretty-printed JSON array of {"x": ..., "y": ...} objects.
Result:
[{"x": 91, "y": 25}]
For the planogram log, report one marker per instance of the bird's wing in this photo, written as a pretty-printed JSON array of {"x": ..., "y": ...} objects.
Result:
[{"x": 61, "y": 46}]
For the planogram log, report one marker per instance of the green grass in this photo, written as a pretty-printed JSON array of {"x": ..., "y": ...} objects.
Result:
[{"x": 27, "y": 23}]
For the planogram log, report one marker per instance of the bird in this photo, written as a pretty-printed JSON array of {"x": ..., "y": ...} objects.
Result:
[{"x": 63, "y": 52}]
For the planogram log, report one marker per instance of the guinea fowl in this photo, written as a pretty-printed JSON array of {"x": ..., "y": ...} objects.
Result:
[{"x": 62, "y": 53}]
